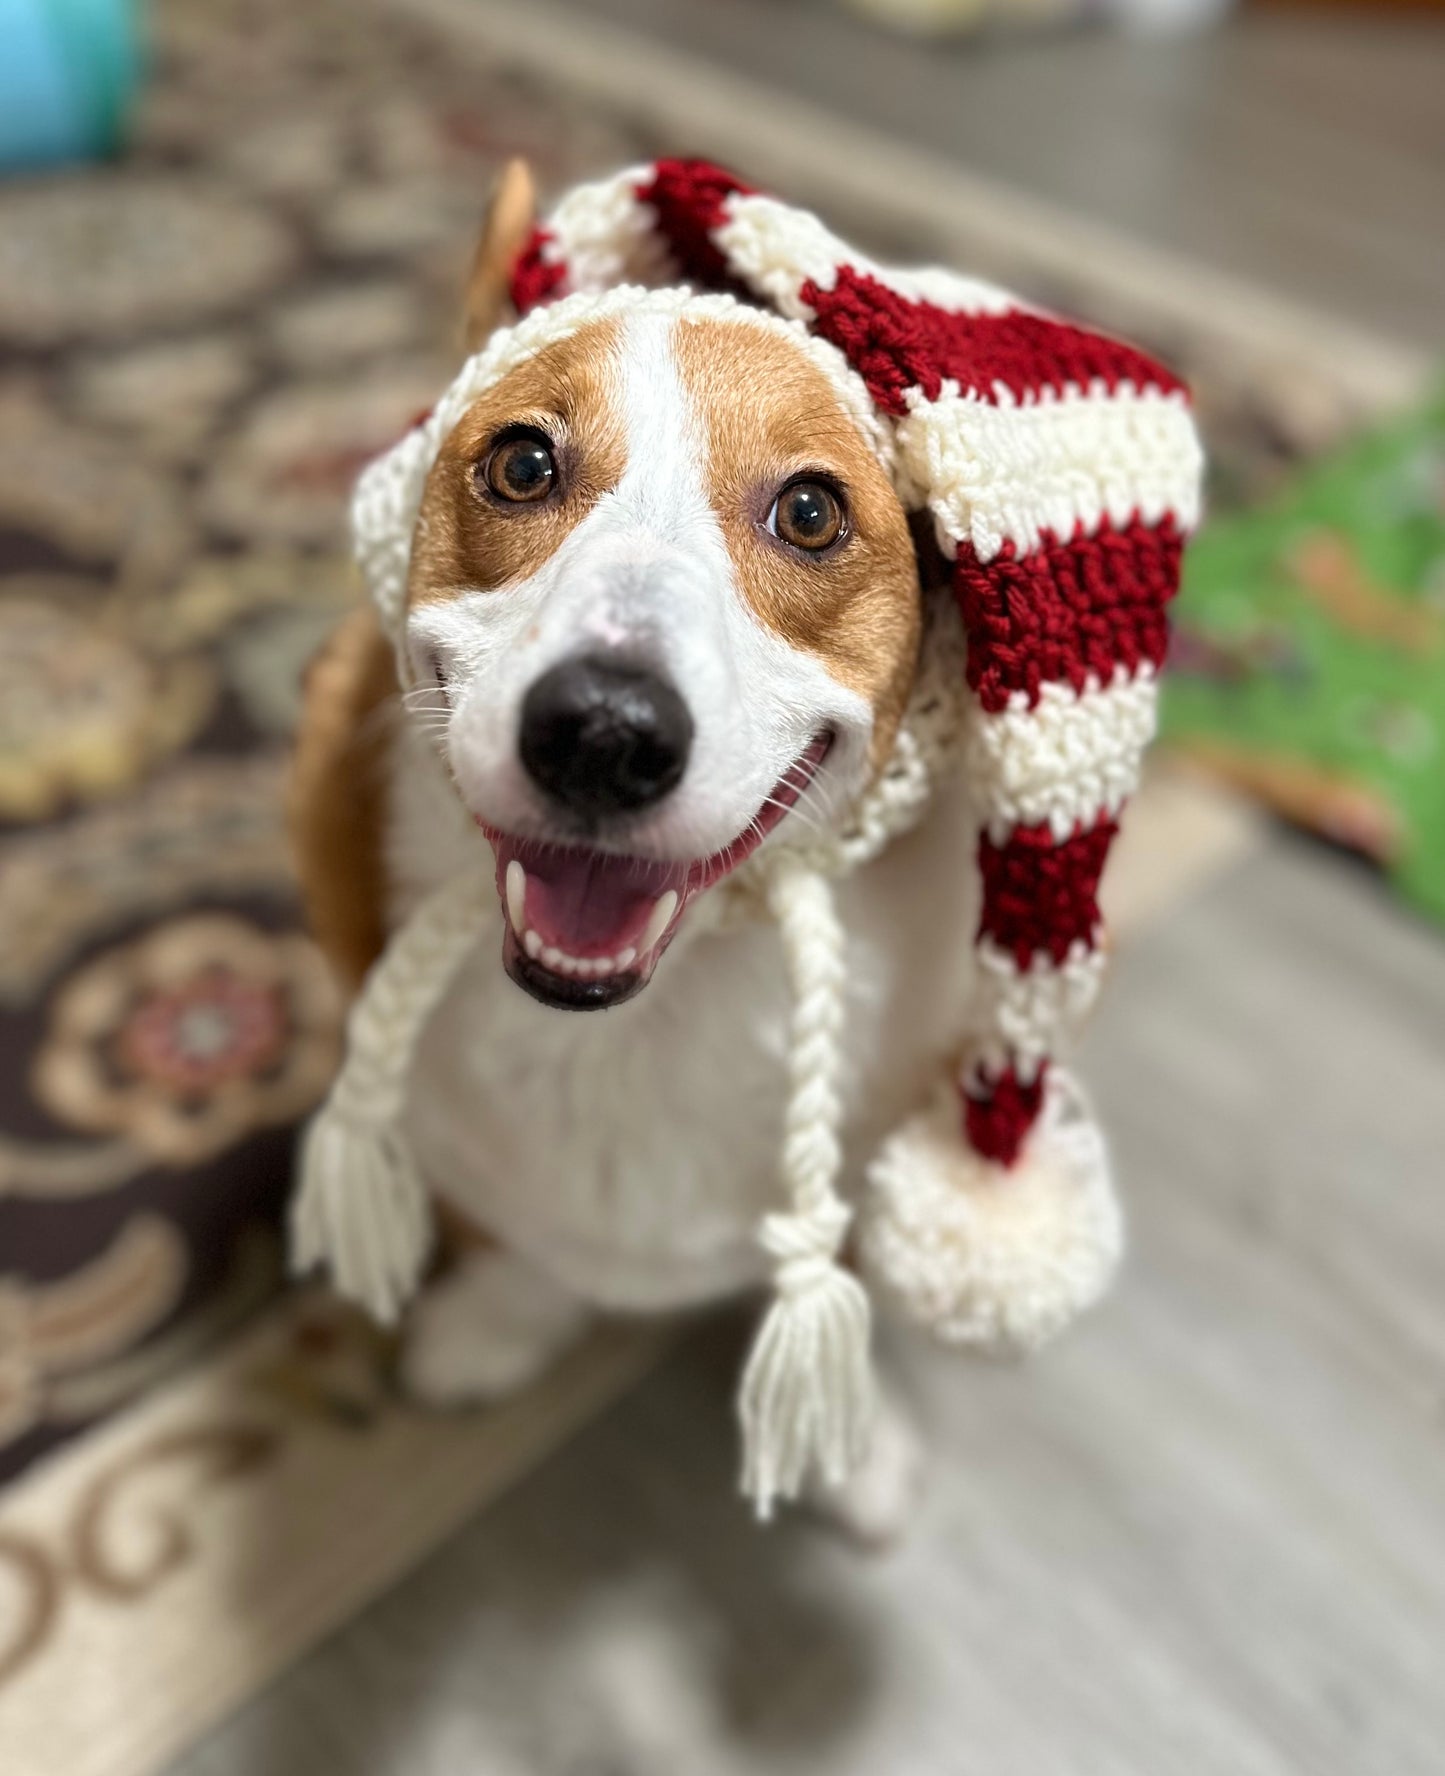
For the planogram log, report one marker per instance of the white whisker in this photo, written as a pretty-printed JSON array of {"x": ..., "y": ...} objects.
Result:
[{"x": 808, "y": 817}]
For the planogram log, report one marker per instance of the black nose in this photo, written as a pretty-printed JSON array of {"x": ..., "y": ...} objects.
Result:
[{"x": 602, "y": 738}]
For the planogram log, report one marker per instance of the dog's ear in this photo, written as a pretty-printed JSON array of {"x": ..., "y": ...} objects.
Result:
[{"x": 511, "y": 216}]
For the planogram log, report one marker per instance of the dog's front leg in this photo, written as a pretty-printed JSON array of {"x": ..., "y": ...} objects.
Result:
[
  {"x": 875, "y": 1504},
  {"x": 490, "y": 1325}
]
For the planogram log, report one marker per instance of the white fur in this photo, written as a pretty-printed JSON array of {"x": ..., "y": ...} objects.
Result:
[
  {"x": 492, "y": 1324},
  {"x": 388, "y": 495},
  {"x": 626, "y": 1160},
  {"x": 874, "y": 1505},
  {"x": 631, "y": 1153}
]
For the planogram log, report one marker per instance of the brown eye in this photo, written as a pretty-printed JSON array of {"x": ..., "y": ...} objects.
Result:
[
  {"x": 521, "y": 469},
  {"x": 808, "y": 515}
]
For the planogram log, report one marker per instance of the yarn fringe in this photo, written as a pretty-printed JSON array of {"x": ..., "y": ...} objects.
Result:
[
  {"x": 363, "y": 1211},
  {"x": 807, "y": 1397}
]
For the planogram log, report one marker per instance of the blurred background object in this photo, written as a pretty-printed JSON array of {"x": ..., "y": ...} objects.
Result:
[
  {"x": 1308, "y": 665},
  {"x": 949, "y": 17},
  {"x": 68, "y": 77}
]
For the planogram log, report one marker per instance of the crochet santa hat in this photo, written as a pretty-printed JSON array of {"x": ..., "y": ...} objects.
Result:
[{"x": 1061, "y": 471}]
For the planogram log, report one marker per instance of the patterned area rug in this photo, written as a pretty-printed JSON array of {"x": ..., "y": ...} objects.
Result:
[{"x": 199, "y": 347}]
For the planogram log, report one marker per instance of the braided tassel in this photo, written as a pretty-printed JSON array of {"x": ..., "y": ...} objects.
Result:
[
  {"x": 807, "y": 1393},
  {"x": 361, "y": 1207}
]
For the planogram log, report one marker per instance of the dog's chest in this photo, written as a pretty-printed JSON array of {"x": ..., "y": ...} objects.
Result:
[{"x": 631, "y": 1152}]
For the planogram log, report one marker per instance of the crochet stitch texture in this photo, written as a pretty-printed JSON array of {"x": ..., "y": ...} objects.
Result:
[{"x": 1062, "y": 471}]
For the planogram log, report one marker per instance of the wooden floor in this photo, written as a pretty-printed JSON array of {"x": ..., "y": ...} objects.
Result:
[{"x": 1205, "y": 1534}]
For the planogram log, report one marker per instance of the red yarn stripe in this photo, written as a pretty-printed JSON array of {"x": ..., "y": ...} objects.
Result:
[
  {"x": 688, "y": 196},
  {"x": 1041, "y": 896},
  {"x": 1067, "y": 609},
  {"x": 998, "y": 1114},
  {"x": 535, "y": 279},
  {"x": 896, "y": 343}
]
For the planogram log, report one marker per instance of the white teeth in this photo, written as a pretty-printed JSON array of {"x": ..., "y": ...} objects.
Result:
[
  {"x": 659, "y": 922},
  {"x": 517, "y": 895},
  {"x": 584, "y": 967}
]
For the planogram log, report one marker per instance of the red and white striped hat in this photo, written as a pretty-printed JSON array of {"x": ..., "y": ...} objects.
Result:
[{"x": 1062, "y": 472}]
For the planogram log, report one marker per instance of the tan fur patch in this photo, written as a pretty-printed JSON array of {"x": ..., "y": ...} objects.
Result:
[
  {"x": 770, "y": 414},
  {"x": 467, "y": 541},
  {"x": 336, "y": 801},
  {"x": 510, "y": 215}
]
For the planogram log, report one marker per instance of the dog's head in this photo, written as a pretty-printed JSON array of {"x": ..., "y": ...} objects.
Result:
[{"x": 662, "y": 599}]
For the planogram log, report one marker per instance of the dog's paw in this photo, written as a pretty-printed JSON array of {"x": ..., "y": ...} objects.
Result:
[
  {"x": 486, "y": 1329},
  {"x": 875, "y": 1504}
]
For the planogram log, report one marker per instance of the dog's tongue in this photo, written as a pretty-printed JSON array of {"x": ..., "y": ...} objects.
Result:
[{"x": 586, "y": 903}]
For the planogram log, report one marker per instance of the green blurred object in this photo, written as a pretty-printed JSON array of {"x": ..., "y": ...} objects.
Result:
[
  {"x": 1309, "y": 656},
  {"x": 69, "y": 70}
]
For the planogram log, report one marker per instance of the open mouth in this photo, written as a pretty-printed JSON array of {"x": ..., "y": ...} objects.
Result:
[{"x": 584, "y": 929}]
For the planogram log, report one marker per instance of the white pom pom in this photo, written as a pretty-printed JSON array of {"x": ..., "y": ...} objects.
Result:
[
  {"x": 806, "y": 1400},
  {"x": 361, "y": 1210},
  {"x": 980, "y": 1255}
]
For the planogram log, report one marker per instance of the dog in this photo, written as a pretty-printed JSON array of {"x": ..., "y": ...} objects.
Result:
[{"x": 663, "y": 613}]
